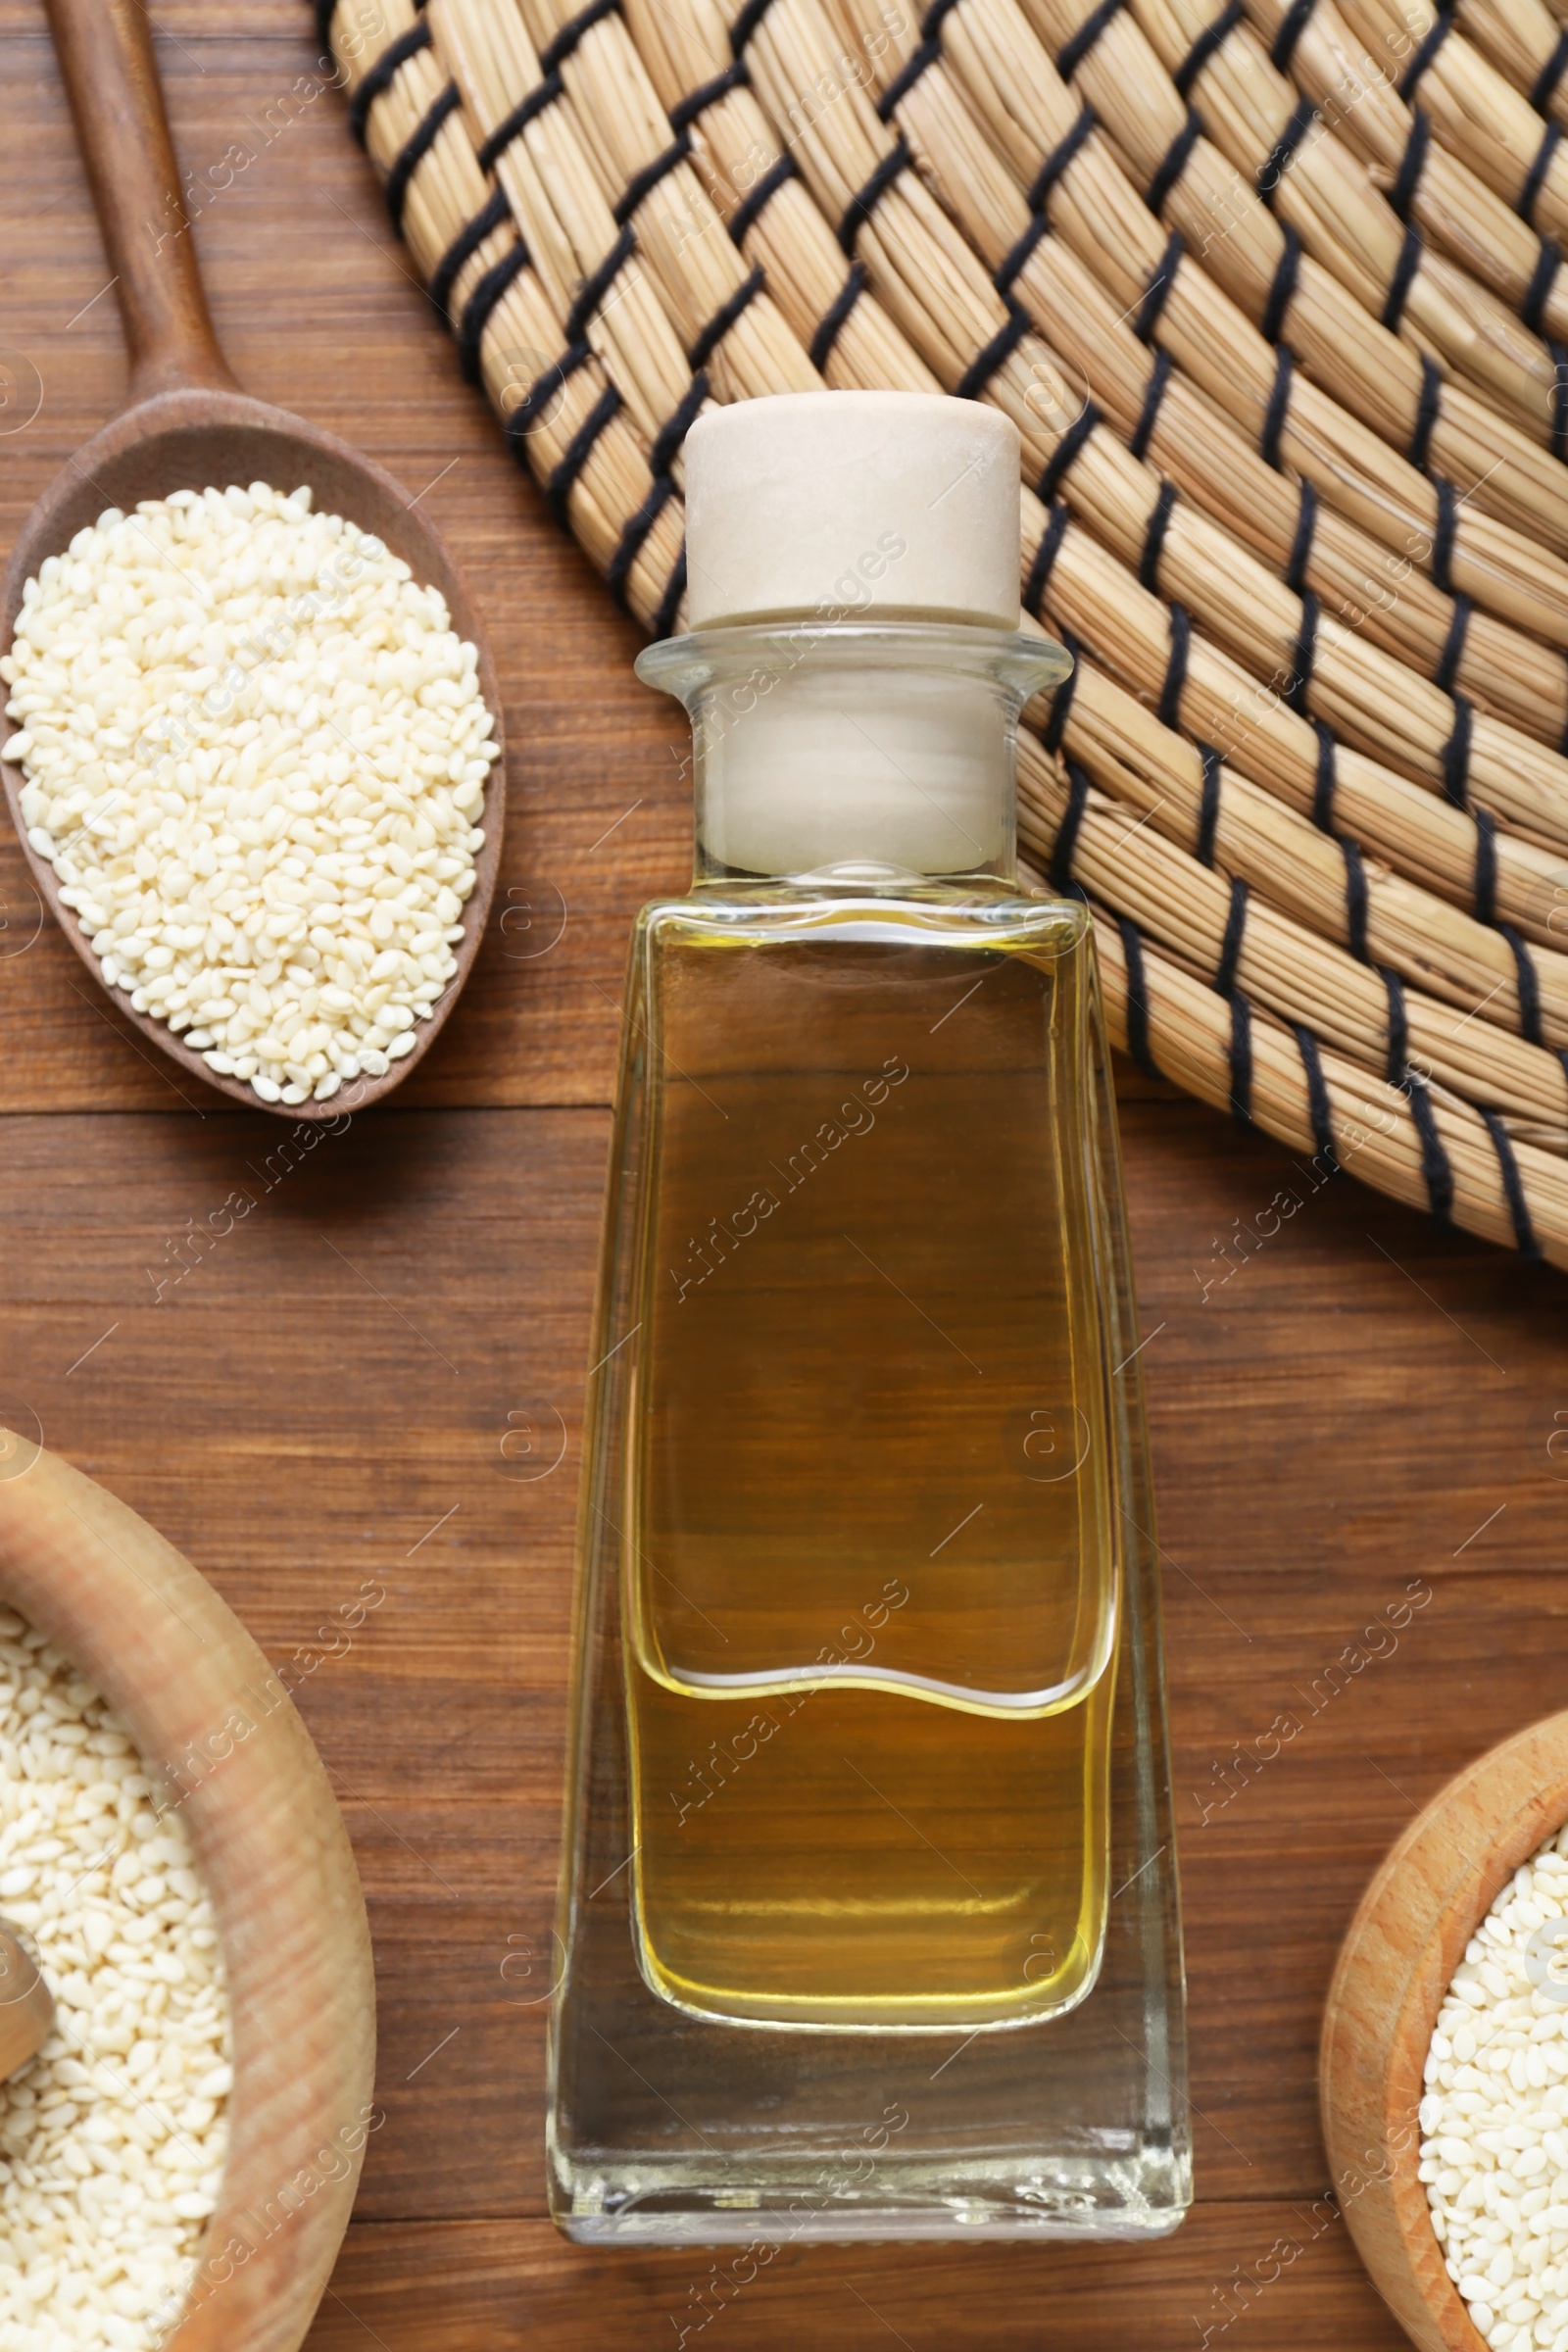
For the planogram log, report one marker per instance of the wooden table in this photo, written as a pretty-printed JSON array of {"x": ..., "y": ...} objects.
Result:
[{"x": 333, "y": 1393}]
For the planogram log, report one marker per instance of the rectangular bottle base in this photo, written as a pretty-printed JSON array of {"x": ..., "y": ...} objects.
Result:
[{"x": 1105, "y": 2197}]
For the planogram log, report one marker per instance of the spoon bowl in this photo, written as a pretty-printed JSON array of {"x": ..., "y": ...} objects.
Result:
[
  {"x": 187, "y": 425},
  {"x": 26, "y": 2006}
]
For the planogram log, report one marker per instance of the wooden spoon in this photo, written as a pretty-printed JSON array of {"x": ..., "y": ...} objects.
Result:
[
  {"x": 185, "y": 425},
  {"x": 26, "y": 2006}
]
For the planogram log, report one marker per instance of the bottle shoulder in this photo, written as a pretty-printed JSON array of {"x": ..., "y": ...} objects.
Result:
[{"x": 968, "y": 914}]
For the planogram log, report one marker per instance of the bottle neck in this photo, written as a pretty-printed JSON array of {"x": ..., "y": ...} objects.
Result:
[{"x": 854, "y": 756}]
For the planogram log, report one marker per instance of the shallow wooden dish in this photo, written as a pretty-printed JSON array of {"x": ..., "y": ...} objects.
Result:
[
  {"x": 1394, "y": 1966},
  {"x": 212, "y": 1721}
]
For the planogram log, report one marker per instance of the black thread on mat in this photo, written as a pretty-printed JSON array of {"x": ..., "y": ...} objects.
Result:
[
  {"x": 1174, "y": 162},
  {"x": 996, "y": 354},
  {"x": 676, "y": 425},
  {"x": 572, "y": 31},
  {"x": 1208, "y": 803},
  {"x": 1065, "y": 453},
  {"x": 1447, "y": 669},
  {"x": 642, "y": 184},
  {"x": 463, "y": 246},
  {"x": 1531, "y": 308},
  {"x": 543, "y": 389},
  {"x": 1355, "y": 898},
  {"x": 1059, "y": 871},
  {"x": 857, "y": 211},
  {"x": 1439, "y": 31},
  {"x": 1045, "y": 562},
  {"x": 1213, "y": 37},
  {"x": 1302, "y": 544},
  {"x": 1299, "y": 693},
  {"x": 637, "y": 528},
  {"x": 1528, "y": 985},
  {"x": 1056, "y": 726},
  {"x": 1319, "y": 1109},
  {"x": 1535, "y": 177},
  {"x": 1155, "y": 537},
  {"x": 671, "y": 433},
  {"x": 1293, "y": 24},
  {"x": 745, "y": 24},
  {"x": 549, "y": 88},
  {"x": 543, "y": 94},
  {"x": 1060, "y": 156},
  {"x": 1326, "y": 780},
  {"x": 1070, "y": 56},
  {"x": 835, "y": 316},
  {"x": 1230, "y": 947},
  {"x": 1445, "y": 535},
  {"x": 1559, "y": 399},
  {"x": 1524, "y": 1232},
  {"x": 479, "y": 305},
  {"x": 1132, "y": 948},
  {"x": 1544, "y": 86},
  {"x": 597, "y": 284},
  {"x": 1169, "y": 710},
  {"x": 1434, "y": 1167},
  {"x": 1412, "y": 163},
  {"x": 724, "y": 318},
  {"x": 920, "y": 61},
  {"x": 686, "y": 110},
  {"x": 414, "y": 150},
  {"x": 383, "y": 74},
  {"x": 1272, "y": 169},
  {"x": 926, "y": 55},
  {"x": 1157, "y": 291},
  {"x": 1398, "y": 1061},
  {"x": 558, "y": 489},
  {"x": 1282, "y": 292},
  {"x": 1241, "y": 1059},
  {"x": 767, "y": 189},
  {"x": 669, "y": 602},
  {"x": 1153, "y": 394},
  {"x": 1403, "y": 278},
  {"x": 1427, "y": 403},
  {"x": 1013, "y": 260},
  {"x": 1454, "y": 757},
  {"x": 1484, "y": 889},
  {"x": 1279, "y": 406}
]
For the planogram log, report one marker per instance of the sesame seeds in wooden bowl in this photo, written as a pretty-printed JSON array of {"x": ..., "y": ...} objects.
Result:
[
  {"x": 1396, "y": 1965},
  {"x": 231, "y": 1761}
]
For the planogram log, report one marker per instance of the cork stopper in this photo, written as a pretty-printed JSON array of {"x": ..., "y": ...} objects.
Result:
[{"x": 853, "y": 506}]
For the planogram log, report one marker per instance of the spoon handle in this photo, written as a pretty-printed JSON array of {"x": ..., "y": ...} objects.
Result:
[{"x": 106, "y": 55}]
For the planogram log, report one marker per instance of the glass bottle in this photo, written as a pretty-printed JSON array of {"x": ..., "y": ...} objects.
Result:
[{"x": 868, "y": 1911}]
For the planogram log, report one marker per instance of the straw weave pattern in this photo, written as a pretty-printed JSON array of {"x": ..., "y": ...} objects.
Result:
[{"x": 1273, "y": 291}]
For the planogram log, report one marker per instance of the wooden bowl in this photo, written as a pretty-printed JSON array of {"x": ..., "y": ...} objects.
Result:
[
  {"x": 1395, "y": 1967},
  {"x": 215, "y": 1726}
]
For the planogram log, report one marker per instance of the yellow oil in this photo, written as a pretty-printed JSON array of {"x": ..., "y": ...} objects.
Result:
[{"x": 870, "y": 1563}]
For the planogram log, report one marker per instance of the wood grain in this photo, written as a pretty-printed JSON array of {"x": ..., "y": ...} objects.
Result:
[{"x": 1358, "y": 1404}]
